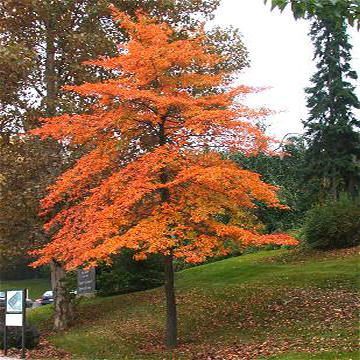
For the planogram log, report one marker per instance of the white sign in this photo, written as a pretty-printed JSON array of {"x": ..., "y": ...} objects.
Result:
[
  {"x": 14, "y": 301},
  {"x": 15, "y": 316},
  {"x": 14, "y": 320}
]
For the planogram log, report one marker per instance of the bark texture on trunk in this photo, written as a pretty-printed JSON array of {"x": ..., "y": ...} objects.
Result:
[
  {"x": 352, "y": 187},
  {"x": 63, "y": 311},
  {"x": 171, "y": 317},
  {"x": 50, "y": 71}
]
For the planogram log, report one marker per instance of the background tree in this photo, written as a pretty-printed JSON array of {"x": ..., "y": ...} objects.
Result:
[
  {"x": 146, "y": 182},
  {"x": 332, "y": 129},
  {"x": 42, "y": 46},
  {"x": 24, "y": 171},
  {"x": 287, "y": 172}
]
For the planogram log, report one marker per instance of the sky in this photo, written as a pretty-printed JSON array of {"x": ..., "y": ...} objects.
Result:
[{"x": 281, "y": 56}]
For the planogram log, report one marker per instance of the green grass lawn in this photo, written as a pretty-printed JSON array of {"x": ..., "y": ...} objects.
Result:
[
  {"x": 269, "y": 305},
  {"x": 36, "y": 286}
]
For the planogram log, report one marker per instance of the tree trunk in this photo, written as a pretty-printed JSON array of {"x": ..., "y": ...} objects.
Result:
[
  {"x": 50, "y": 72},
  {"x": 171, "y": 318},
  {"x": 62, "y": 304},
  {"x": 351, "y": 187},
  {"x": 334, "y": 187}
]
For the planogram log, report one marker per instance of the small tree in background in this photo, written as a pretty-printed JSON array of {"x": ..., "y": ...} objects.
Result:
[{"x": 151, "y": 179}]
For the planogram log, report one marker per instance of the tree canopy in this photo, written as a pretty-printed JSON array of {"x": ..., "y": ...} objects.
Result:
[
  {"x": 149, "y": 190},
  {"x": 42, "y": 46},
  {"x": 349, "y": 9}
]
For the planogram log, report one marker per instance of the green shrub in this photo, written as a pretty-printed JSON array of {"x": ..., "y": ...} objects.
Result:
[
  {"x": 336, "y": 224},
  {"x": 127, "y": 275}
]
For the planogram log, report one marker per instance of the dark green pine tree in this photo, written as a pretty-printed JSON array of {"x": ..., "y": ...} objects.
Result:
[{"x": 332, "y": 130}]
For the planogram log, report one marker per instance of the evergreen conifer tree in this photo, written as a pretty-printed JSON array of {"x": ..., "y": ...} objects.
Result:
[{"x": 332, "y": 128}]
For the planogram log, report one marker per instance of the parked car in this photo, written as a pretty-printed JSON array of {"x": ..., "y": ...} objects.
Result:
[
  {"x": 46, "y": 298},
  {"x": 29, "y": 302},
  {"x": 2, "y": 299}
]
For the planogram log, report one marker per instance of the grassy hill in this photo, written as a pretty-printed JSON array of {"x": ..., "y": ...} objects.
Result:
[
  {"x": 267, "y": 305},
  {"x": 36, "y": 286}
]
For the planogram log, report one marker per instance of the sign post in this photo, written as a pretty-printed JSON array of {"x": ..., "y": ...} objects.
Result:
[
  {"x": 86, "y": 281},
  {"x": 15, "y": 315}
]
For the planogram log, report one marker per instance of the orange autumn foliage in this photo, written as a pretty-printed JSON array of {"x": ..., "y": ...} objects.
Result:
[{"x": 153, "y": 179}]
